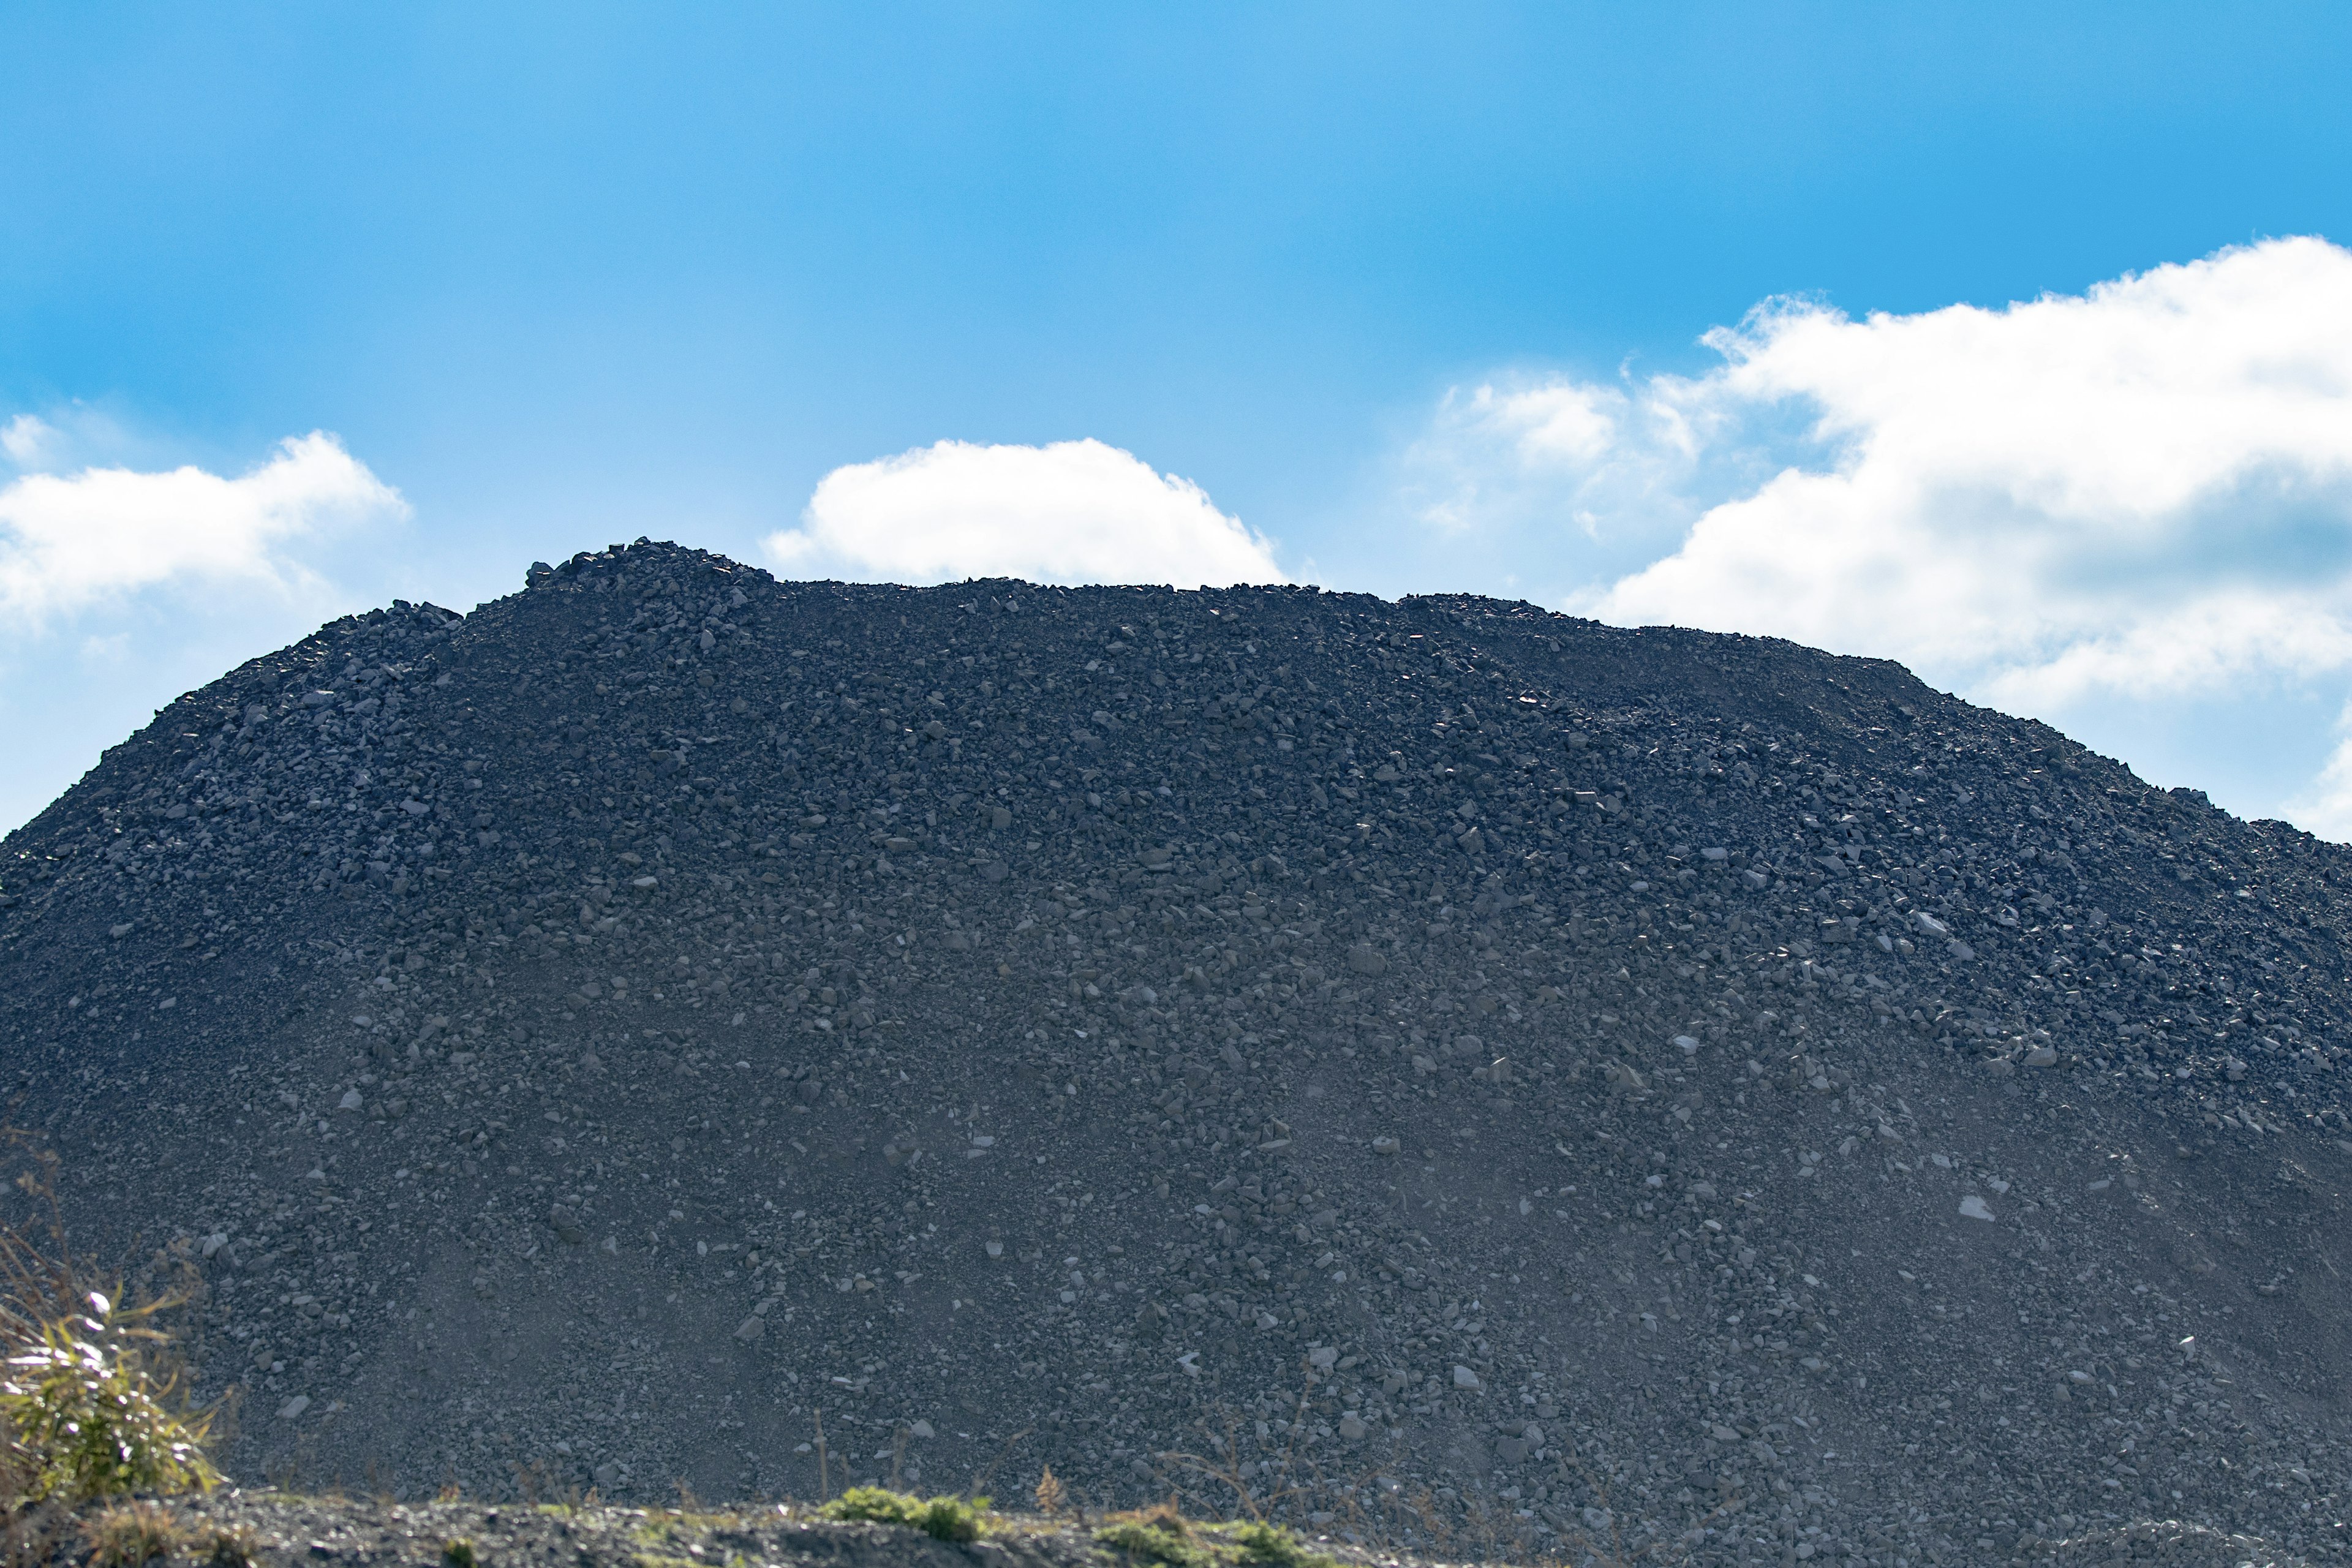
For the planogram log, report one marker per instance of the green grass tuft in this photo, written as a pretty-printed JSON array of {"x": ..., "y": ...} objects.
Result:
[
  {"x": 1163, "y": 1535},
  {"x": 941, "y": 1518},
  {"x": 83, "y": 1416},
  {"x": 1160, "y": 1535},
  {"x": 1258, "y": 1543},
  {"x": 233, "y": 1546},
  {"x": 129, "y": 1536}
]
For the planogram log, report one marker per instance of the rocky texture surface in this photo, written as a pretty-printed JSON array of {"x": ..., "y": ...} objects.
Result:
[
  {"x": 266, "y": 1529},
  {"x": 1436, "y": 1050},
  {"x": 271, "y": 1529}
]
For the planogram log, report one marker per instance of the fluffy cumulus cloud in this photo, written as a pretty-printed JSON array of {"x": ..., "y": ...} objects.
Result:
[
  {"x": 2143, "y": 492},
  {"x": 1074, "y": 512},
  {"x": 75, "y": 540}
]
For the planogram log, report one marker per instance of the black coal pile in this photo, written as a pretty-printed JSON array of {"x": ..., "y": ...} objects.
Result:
[{"x": 1424, "y": 1063}]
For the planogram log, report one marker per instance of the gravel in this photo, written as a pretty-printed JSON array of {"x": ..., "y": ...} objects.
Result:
[{"x": 1041, "y": 1011}]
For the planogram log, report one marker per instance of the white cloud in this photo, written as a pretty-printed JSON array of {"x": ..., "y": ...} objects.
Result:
[
  {"x": 2145, "y": 486},
  {"x": 1522, "y": 447},
  {"x": 2141, "y": 490},
  {"x": 71, "y": 540},
  {"x": 1074, "y": 512},
  {"x": 27, "y": 440},
  {"x": 2139, "y": 494}
]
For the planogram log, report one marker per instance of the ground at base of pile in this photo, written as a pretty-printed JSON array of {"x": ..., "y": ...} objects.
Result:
[{"x": 265, "y": 1528}]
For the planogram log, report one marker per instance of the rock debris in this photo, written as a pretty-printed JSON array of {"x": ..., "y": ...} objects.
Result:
[{"x": 1436, "y": 1050}]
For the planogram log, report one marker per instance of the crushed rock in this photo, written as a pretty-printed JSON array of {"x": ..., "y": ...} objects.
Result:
[{"x": 580, "y": 1042}]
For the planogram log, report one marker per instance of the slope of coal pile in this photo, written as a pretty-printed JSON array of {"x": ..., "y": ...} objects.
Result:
[{"x": 1443, "y": 1058}]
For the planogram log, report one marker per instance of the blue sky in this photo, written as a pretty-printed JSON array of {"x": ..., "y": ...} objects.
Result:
[{"x": 1406, "y": 298}]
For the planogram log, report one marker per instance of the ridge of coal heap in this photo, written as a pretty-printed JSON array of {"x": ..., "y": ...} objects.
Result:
[{"x": 1439, "y": 1055}]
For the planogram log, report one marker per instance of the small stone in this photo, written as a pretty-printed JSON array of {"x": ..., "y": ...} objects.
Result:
[
  {"x": 566, "y": 1224},
  {"x": 2041, "y": 1056},
  {"x": 923, "y": 1429},
  {"x": 350, "y": 1100},
  {"x": 294, "y": 1408},
  {"x": 750, "y": 1328},
  {"x": 1973, "y": 1207},
  {"x": 1929, "y": 924},
  {"x": 1959, "y": 950},
  {"x": 1323, "y": 1358},
  {"x": 1686, "y": 1044},
  {"x": 1387, "y": 1145},
  {"x": 607, "y": 1476},
  {"x": 1365, "y": 959},
  {"x": 1352, "y": 1427},
  {"x": 1464, "y": 1378}
]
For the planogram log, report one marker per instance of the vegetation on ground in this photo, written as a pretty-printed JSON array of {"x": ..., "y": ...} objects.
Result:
[
  {"x": 1163, "y": 1535},
  {"x": 90, "y": 1404},
  {"x": 128, "y": 1536},
  {"x": 941, "y": 1518}
]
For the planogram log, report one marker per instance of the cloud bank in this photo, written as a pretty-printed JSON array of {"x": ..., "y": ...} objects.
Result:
[
  {"x": 69, "y": 542},
  {"x": 1074, "y": 512},
  {"x": 2143, "y": 492}
]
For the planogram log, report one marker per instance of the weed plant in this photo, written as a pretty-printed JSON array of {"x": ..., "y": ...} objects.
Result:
[
  {"x": 1163, "y": 1535},
  {"x": 941, "y": 1518},
  {"x": 128, "y": 1536},
  {"x": 89, "y": 1402}
]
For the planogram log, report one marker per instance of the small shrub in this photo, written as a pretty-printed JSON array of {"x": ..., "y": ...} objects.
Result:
[
  {"x": 459, "y": 1554},
  {"x": 1259, "y": 1542},
  {"x": 1051, "y": 1493},
  {"x": 941, "y": 1518},
  {"x": 232, "y": 1546},
  {"x": 82, "y": 1415},
  {"x": 1160, "y": 1535},
  {"x": 127, "y": 1537}
]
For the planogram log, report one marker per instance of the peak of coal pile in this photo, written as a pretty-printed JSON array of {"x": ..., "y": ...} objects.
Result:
[{"x": 1460, "y": 1060}]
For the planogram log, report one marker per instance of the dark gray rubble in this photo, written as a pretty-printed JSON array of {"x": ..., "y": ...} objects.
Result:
[{"x": 1450, "y": 1061}]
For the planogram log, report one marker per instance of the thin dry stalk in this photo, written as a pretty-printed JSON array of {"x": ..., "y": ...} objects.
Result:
[{"x": 981, "y": 1477}]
